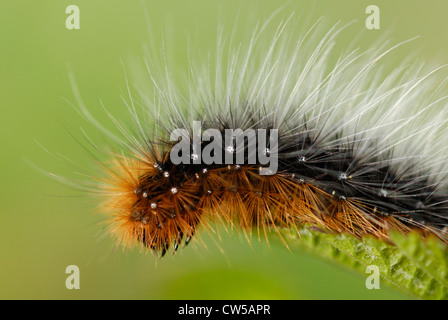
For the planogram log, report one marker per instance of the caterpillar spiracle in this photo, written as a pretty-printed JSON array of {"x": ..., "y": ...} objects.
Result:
[{"x": 357, "y": 149}]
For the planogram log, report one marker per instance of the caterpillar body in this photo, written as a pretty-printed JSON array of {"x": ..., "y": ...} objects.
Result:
[{"x": 359, "y": 151}]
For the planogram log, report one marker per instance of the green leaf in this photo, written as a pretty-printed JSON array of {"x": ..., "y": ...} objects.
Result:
[{"x": 415, "y": 266}]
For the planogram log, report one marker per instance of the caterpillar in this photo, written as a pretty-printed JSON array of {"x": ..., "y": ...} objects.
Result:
[{"x": 358, "y": 150}]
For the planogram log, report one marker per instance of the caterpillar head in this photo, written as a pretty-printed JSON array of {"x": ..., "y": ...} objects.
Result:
[{"x": 151, "y": 206}]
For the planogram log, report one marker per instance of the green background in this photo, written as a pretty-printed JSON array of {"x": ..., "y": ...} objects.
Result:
[{"x": 46, "y": 226}]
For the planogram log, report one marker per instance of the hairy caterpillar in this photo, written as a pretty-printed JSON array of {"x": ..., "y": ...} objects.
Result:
[{"x": 359, "y": 150}]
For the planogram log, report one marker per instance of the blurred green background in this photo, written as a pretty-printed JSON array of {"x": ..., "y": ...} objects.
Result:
[{"x": 45, "y": 226}]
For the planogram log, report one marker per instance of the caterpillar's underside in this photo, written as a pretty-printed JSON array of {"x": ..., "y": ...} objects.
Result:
[{"x": 161, "y": 204}]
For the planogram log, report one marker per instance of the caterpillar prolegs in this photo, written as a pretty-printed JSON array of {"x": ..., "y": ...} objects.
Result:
[{"x": 359, "y": 150}]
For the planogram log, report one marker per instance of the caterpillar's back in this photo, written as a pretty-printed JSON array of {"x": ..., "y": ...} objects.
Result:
[{"x": 358, "y": 150}]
